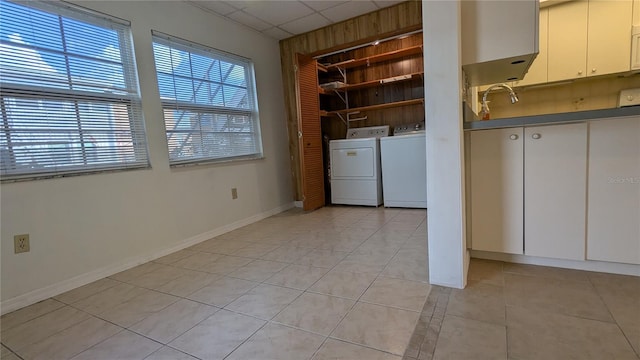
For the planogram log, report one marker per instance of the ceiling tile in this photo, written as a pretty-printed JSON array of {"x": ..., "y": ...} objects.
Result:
[
  {"x": 239, "y": 4},
  {"x": 278, "y": 12},
  {"x": 277, "y": 33},
  {"x": 349, "y": 10},
  {"x": 387, "y": 3},
  {"x": 321, "y": 4},
  {"x": 249, "y": 20},
  {"x": 307, "y": 23},
  {"x": 215, "y": 6}
]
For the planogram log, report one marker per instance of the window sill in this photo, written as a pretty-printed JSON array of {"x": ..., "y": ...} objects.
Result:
[
  {"x": 24, "y": 178},
  {"x": 227, "y": 161}
]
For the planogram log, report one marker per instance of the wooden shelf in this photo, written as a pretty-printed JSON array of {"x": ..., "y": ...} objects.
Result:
[
  {"x": 371, "y": 83},
  {"x": 377, "y": 58},
  {"x": 321, "y": 67},
  {"x": 374, "y": 107},
  {"x": 329, "y": 91}
]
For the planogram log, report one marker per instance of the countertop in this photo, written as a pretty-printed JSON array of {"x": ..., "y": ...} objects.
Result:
[{"x": 547, "y": 119}]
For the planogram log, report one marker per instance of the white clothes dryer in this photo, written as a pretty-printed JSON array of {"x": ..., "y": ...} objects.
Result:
[{"x": 356, "y": 175}]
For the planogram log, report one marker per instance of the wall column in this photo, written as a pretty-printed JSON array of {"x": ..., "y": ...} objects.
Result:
[{"x": 448, "y": 255}]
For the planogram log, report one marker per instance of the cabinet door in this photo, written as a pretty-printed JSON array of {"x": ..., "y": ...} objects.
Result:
[
  {"x": 537, "y": 73},
  {"x": 497, "y": 30},
  {"x": 568, "y": 40},
  {"x": 496, "y": 190},
  {"x": 499, "y": 39},
  {"x": 555, "y": 191},
  {"x": 613, "y": 230},
  {"x": 609, "y": 31}
]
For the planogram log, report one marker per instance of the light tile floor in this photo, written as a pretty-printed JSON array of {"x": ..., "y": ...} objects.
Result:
[
  {"x": 336, "y": 283},
  {"x": 344, "y": 283},
  {"x": 512, "y": 311}
]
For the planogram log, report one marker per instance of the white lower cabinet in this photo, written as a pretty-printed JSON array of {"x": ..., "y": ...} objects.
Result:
[
  {"x": 613, "y": 231},
  {"x": 496, "y": 190},
  {"x": 555, "y": 191},
  {"x": 528, "y": 190}
]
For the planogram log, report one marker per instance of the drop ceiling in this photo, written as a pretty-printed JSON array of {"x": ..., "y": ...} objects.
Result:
[{"x": 281, "y": 19}]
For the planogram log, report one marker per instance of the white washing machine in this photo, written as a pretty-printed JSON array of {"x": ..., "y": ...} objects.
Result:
[
  {"x": 356, "y": 175},
  {"x": 404, "y": 167}
]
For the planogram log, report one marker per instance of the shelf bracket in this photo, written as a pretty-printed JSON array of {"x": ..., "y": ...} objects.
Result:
[
  {"x": 343, "y": 98},
  {"x": 359, "y": 119},
  {"x": 350, "y": 119},
  {"x": 343, "y": 72}
]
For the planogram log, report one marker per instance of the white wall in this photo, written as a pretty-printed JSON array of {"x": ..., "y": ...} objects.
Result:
[
  {"x": 94, "y": 224},
  {"x": 448, "y": 256}
]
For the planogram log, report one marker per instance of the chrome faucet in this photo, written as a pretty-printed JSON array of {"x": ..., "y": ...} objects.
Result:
[
  {"x": 512, "y": 94},
  {"x": 485, "y": 104}
]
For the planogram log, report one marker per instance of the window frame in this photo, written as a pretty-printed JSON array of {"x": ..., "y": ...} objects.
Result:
[
  {"x": 127, "y": 98},
  {"x": 251, "y": 113}
]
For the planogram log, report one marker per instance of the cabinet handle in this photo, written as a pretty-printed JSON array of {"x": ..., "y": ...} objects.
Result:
[
  {"x": 536, "y": 136},
  {"x": 593, "y": 70},
  {"x": 579, "y": 72},
  {"x": 513, "y": 137}
]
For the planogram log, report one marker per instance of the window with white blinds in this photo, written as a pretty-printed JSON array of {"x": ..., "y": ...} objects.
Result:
[
  {"x": 69, "y": 94},
  {"x": 209, "y": 102}
]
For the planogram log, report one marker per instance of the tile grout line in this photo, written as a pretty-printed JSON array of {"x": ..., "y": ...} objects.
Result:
[
  {"x": 302, "y": 293},
  {"x": 362, "y": 294},
  {"x": 431, "y": 305},
  {"x": 504, "y": 300},
  {"x": 344, "y": 316},
  {"x": 356, "y": 301},
  {"x": 352, "y": 306},
  {"x": 612, "y": 317},
  {"x": 37, "y": 317},
  {"x": 12, "y": 352},
  {"x": 253, "y": 259},
  {"x": 348, "y": 311}
]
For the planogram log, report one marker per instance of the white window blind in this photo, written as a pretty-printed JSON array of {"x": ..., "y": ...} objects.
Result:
[
  {"x": 68, "y": 92},
  {"x": 208, "y": 97}
]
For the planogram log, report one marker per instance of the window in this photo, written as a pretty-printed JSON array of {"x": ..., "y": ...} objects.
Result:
[
  {"x": 208, "y": 96},
  {"x": 68, "y": 92}
]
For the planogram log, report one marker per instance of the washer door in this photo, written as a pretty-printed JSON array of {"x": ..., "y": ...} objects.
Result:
[{"x": 353, "y": 163}]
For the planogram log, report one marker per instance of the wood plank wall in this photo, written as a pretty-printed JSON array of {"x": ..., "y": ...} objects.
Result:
[
  {"x": 365, "y": 28},
  {"x": 381, "y": 94}
]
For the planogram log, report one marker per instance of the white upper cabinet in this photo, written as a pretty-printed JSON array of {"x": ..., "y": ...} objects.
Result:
[
  {"x": 613, "y": 232},
  {"x": 609, "y": 37},
  {"x": 499, "y": 39},
  {"x": 568, "y": 40},
  {"x": 538, "y": 71},
  {"x": 555, "y": 191},
  {"x": 589, "y": 38}
]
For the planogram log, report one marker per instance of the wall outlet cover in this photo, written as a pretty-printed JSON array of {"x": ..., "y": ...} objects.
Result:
[{"x": 21, "y": 243}]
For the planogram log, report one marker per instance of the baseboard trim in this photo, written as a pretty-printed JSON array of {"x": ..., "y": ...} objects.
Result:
[
  {"x": 589, "y": 265},
  {"x": 44, "y": 293},
  {"x": 446, "y": 284}
]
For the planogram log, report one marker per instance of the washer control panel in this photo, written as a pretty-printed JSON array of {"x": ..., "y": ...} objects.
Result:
[
  {"x": 408, "y": 128},
  {"x": 368, "y": 132}
]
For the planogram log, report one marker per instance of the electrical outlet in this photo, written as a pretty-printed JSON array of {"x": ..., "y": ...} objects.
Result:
[
  {"x": 21, "y": 243},
  {"x": 234, "y": 193}
]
